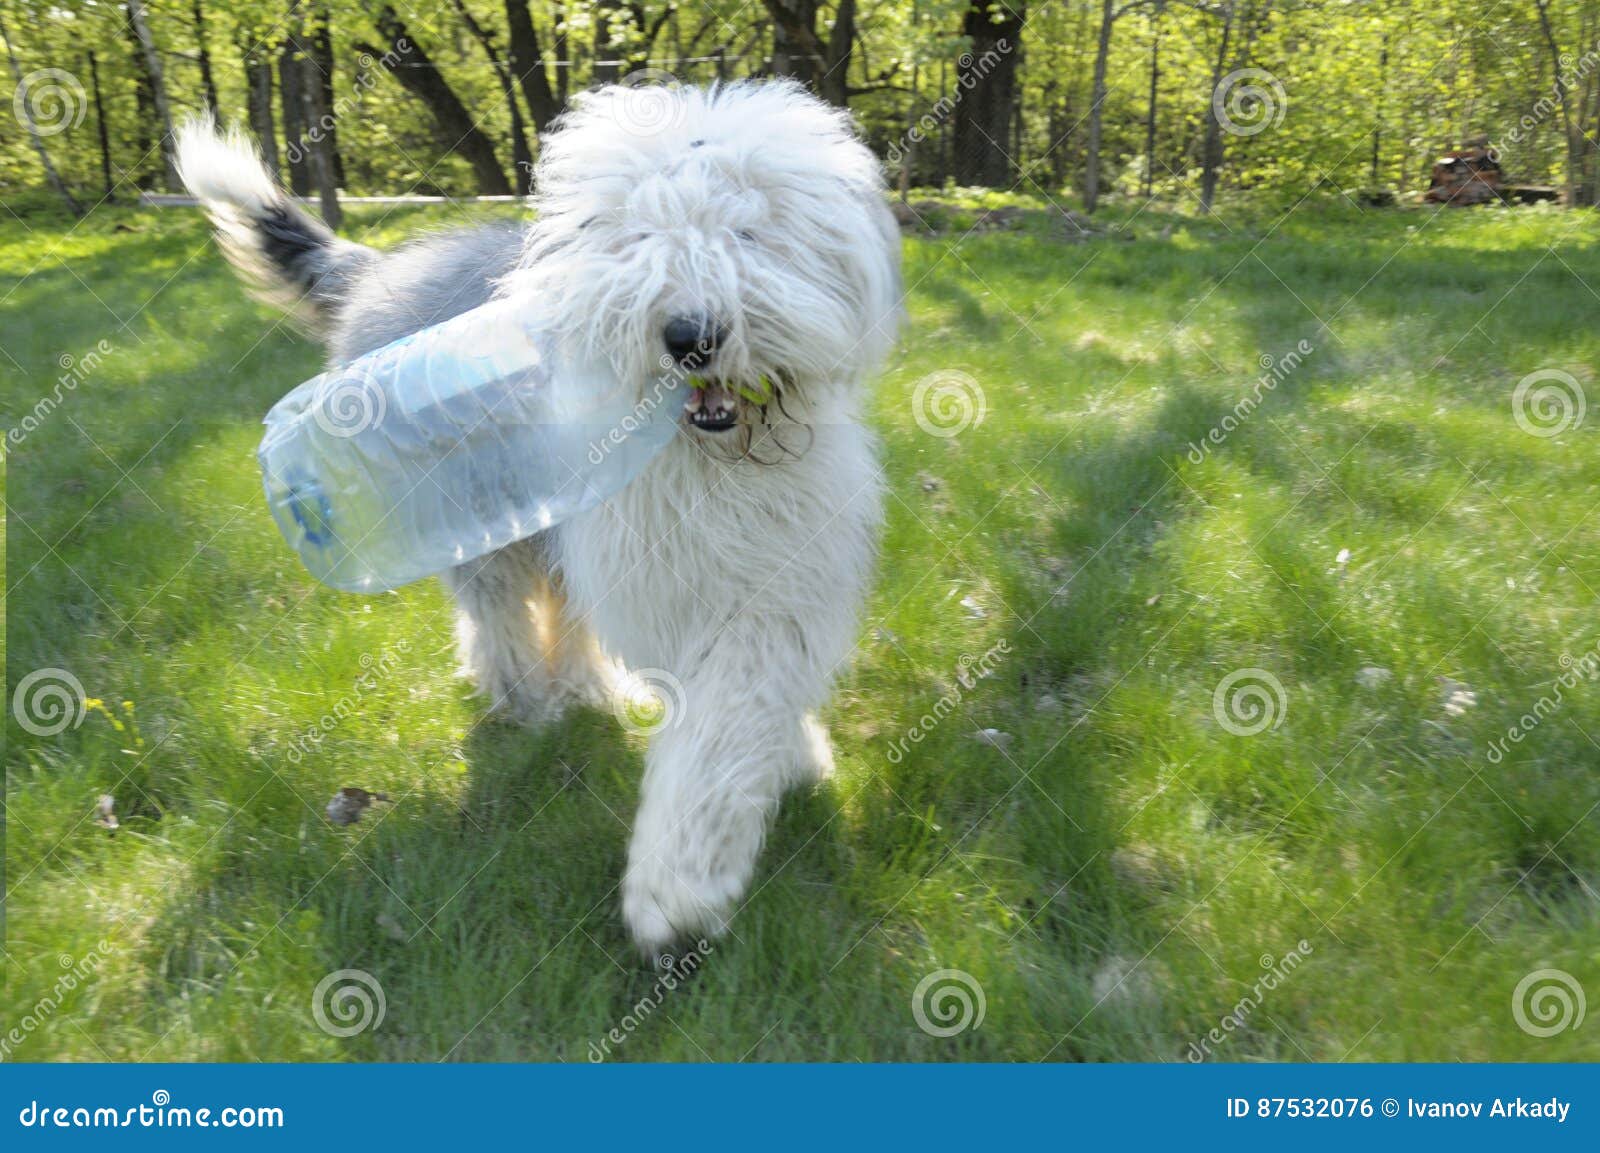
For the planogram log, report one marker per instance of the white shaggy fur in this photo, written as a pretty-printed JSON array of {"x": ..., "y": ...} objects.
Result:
[{"x": 733, "y": 569}]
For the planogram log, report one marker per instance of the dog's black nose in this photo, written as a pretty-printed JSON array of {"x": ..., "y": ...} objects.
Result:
[{"x": 690, "y": 340}]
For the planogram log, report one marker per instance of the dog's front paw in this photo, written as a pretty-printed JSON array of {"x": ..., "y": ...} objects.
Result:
[{"x": 664, "y": 908}]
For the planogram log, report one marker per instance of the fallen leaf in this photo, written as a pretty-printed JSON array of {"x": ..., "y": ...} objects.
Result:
[{"x": 349, "y": 803}]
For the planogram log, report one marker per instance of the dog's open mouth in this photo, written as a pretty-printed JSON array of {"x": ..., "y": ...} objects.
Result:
[{"x": 714, "y": 405}]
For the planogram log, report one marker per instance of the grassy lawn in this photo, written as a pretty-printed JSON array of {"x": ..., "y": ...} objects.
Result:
[{"x": 1404, "y": 570}]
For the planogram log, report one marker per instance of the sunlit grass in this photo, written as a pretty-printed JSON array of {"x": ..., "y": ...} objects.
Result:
[{"x": 1378, "y": 536}]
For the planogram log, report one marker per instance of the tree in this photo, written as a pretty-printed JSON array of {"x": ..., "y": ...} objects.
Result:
[
  {"x": 158, "y": 90},
  {"x": 521, "y": 156},
  {"x": 208, "y": 81},
  {"x": 527, "y": 65},
  {"x": 987, "y": 79},
  {"x": 1110, "y": 13},
  {"x": 798, "y": 50},
  {"x": 456, "y": 131},
  {"x": 50, "y": 172}
]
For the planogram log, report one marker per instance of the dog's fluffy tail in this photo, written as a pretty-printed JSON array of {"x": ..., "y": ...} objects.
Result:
[{"x": 290, "y": 258}]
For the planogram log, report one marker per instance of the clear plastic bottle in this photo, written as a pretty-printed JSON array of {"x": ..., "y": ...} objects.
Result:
[{"x": 448, "y": 444}]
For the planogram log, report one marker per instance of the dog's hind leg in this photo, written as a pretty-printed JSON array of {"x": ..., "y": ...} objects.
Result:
[
  {"x": 517, "y": 640},
  {"x": 497, "y": 637}
]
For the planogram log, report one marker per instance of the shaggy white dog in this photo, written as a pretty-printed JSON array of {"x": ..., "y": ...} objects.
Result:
[{"x": 740, "y": 233}]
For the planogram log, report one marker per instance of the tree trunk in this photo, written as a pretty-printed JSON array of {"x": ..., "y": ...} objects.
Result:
[
  {"x": 1211, "y": 149},
  {"x": 527, "y": 65},
  {"x": 321, "y": 58},
  {"x": 455, "y": 129},
  {"x": 605, "y": 72},
  {"x": 144, "y": 109},
  {"x": 563, "y": 69},
  {"x": 1097, "y": 101},
  {"x": 1150, "y": 106},
  {"x": 988, "y": 81},
  {"x": 1377, "y": 119},
  {"x": 796, "y": 49},
  {"x": 208, "y": 84},
  {"x": 835, "y": 83},
  {"x": 258, "y": 104},
  {"x": 316, "y": 118},
  {"x": 158, "y": 90},
  {"x": 50, "y": 172},
  {"x": 521, "y": 156},
  {"x": 101, "y": 129},
  {"x": 1571, "y": 129},
  {"x": 295, "y": 126}
]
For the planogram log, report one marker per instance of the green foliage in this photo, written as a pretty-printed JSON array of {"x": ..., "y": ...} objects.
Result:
[{"x": 1363, "y": 94}]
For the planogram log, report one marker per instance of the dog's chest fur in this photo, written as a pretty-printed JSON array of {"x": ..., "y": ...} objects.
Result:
[{"x": 696, "y": 548}]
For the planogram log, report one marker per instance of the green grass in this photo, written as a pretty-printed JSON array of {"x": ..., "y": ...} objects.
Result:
[{"x": 1112, "y": 877}]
